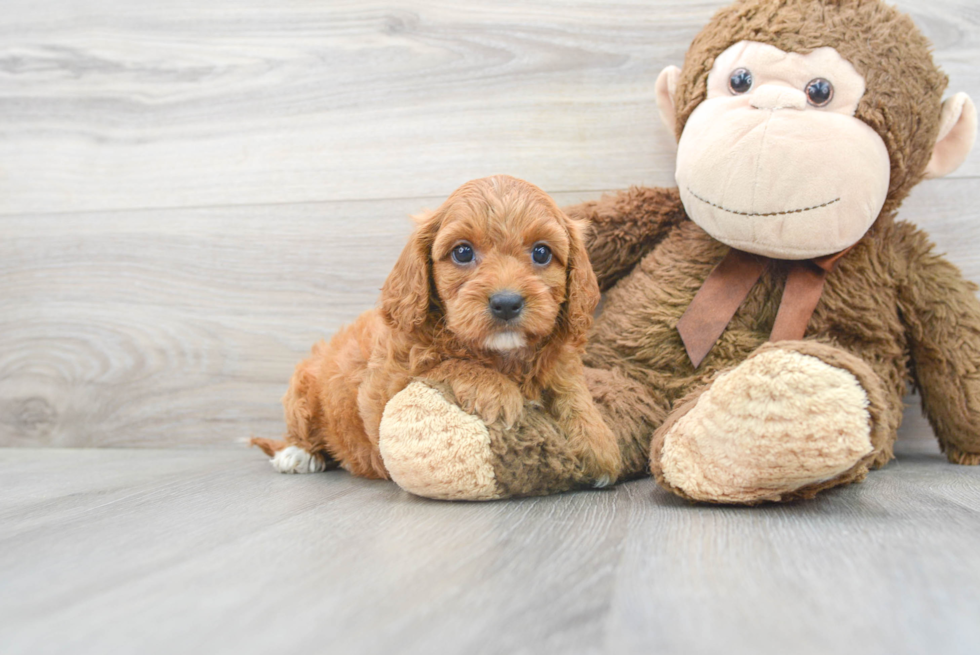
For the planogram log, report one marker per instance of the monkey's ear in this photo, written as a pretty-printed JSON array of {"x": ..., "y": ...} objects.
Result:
[
  {"x": 957, "y": 132},
  {"x": 665, "y": 89}
]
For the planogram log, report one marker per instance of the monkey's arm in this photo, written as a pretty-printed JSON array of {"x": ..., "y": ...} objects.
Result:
[
  {"x": 626, "y": 225},
  {"x": 942, "y": 317}
]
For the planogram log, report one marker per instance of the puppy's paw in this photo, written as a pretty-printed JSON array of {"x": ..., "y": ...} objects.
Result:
[
  {"x": 491, "y": 398},
  {"x": 594, "y": 446},
  {"x": 296, "y": 460},
  {"x": 601, "y": 458}
]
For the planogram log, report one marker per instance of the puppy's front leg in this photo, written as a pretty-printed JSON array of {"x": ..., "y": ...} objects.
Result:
[
  {"x": 480, "y": 390},
  {"x": 590, "y": 439}
]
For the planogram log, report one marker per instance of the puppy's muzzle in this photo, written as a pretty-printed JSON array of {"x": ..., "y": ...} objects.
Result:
[{"x": 506, "y": 305}]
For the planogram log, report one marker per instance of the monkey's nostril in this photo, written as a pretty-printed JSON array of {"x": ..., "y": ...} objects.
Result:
[{"x": 506, "y": 305}]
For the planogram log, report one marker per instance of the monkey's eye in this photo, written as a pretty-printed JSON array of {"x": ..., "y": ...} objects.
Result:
[
  {"x": 541, "y": 254},
  {"x": 463, "y": 253},
  {"x": 740, "y": 82},
  {"x": 819, "y": 92}
]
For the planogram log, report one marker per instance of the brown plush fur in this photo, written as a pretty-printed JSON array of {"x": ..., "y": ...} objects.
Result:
[
  {"x": 535, "y": 460},
  {"x": 892, "y": 304},
  {"x": 434, "y": 320},
  {"x": 892, "y": 313}
]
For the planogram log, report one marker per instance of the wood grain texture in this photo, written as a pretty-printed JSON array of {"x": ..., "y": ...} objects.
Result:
[
  {"x": 118, "y": 551},
  {"x": 191, "y": 193},
  {"x": 169, "y": 327},
  {"x": 162, "y": 268},
  {"x": 109, "y": 104},
  {"x": 182, "y": 327}
]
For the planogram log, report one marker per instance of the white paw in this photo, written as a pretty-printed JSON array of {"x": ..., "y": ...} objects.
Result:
[
  {"x": 602, "y": 482},
  {"x": 296, "y": 460}
]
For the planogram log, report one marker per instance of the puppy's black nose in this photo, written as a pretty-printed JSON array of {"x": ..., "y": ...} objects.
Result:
[{"x": 506, "y": 305}]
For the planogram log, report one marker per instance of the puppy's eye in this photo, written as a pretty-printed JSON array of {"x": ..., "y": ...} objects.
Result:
[
  {"x": 463, "y": 253},
  {"x": 541, "y": 254}
]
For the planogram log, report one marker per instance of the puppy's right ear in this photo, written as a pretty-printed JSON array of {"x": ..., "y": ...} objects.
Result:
[
  {"x": 406, "y": 295},
  {"x": 582, "y": 294}
]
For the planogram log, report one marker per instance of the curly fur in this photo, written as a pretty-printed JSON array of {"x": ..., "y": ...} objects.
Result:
[{"x": 434, "y": 320}]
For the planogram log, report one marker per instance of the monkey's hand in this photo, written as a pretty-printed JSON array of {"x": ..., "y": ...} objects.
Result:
[
  {"x": 624, "y": 226},
  {"x": 942, "y": 318}
]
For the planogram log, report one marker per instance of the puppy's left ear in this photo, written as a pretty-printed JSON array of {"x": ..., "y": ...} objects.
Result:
[
  {"x": 582, "y": 291},
  {"x": 406, "y": 296}
]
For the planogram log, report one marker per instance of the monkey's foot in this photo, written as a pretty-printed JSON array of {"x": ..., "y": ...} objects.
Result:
[
  {"x": 432, "y": 448},
  {"x": 780, "y": 425}
]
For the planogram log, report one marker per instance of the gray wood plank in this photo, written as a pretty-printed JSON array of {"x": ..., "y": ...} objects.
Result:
[
  {"x": 289, "y": 141},
  {"x": 211, "y": 551},
  {"x": 124, "y": 328},
  {"x": 182, "y": 327},
  {"x": 111, "y": 104}
]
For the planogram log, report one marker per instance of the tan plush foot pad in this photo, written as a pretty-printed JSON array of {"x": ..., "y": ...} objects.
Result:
[
  {"x": 779, "y": 421},
  {"x": 432, "y": 448}
]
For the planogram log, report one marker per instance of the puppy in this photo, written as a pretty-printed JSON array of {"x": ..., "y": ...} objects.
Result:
[{"x": 493, "y": 295}]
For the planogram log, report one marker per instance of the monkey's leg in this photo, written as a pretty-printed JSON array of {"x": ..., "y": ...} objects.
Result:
[
  {"x": 793, "y": 419},
  {"x": 433, "y": 448}
]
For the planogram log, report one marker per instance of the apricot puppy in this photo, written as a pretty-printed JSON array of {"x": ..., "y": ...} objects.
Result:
[{"x": 493, "y": 296}]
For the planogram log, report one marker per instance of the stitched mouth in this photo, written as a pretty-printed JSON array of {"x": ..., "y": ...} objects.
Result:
[{"x": 782, "y": 213}]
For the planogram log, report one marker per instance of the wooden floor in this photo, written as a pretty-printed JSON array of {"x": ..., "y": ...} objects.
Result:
[
  {"x": 170, "y": 551},
  {"x": 192, "y": 192}
]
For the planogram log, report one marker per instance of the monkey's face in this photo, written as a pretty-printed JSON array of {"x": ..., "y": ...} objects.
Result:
[{"x": 774, "y": 162}]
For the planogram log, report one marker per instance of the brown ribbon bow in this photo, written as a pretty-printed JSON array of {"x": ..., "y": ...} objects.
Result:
[{"x": 729, "y": 284}]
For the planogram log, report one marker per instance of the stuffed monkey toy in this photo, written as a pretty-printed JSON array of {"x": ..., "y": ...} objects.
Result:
[{"x": 763, "y": 320}]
